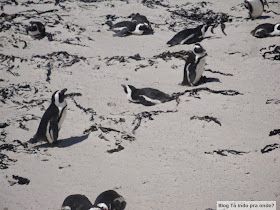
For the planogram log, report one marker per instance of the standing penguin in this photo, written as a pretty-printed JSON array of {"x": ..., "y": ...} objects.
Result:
[
  {"x": 145, "y": 96},
  {"x": 52, "y": 119},
  {"x": 110, "y": 199},
  {"x": 266, "y": 30},
  {"x": 189, "y": 35},
  {"x": 36, "y": 30},
  {"x": 79, "y": 202},
  {"x": 194, "y": 66},
  {"x": 255, "y": 7}
]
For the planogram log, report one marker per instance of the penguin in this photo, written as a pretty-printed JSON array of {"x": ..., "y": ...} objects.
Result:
[
  {"x": 145, "y": 96},
  {"x": 194, "y": 66},
  {"x": 255, "y": 7},
  {"x": 126, "y": 28},
  {"x": 110, "y": 199},
  {"x": 189, "y": 35},
  {"x": 36, "y": 30},
  {"x": 142, "y": 19},
  {"x": 266, "y": 30},
  {"x": 52, "y": 119},
  {"x": 80, "y": 202}
]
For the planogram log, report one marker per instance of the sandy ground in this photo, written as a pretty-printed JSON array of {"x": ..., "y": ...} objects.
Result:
[{"x": 171, "y": 162}]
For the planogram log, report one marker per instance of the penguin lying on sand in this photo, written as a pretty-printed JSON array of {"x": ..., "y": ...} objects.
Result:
[
  {"x": 255, "y": 7},
  {"x": 138, "y": 25},
  {"x": 110, "y": 199},
  {"x": 266, "y": 30},
  {"x": 194, "y": 66},
  {"x": 145, "y": 96},
  {"x": 189, "y": 35},
  {"x": 141, "y": 19},
  {"x": 52, "y": 119},
  {"x": 79, "y": 202},
  {"x": 36, "y": 30}
]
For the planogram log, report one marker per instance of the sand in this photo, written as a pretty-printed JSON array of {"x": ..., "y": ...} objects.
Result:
[{"x": 171, "y": 161}]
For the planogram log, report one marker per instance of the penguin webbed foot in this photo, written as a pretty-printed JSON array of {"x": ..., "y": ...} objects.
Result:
[
  {"x": 33, "y": 140},
  {"x": 185, "y": 83}
]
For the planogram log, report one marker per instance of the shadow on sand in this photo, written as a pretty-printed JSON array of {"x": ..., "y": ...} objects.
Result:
[{"x": 65, "y": 142}]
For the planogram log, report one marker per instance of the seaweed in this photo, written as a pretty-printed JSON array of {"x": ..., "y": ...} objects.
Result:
[
  {"x": 207, "y": 119},
  {"x": 274, "y": 54},
  {"x": 223, "y": 152},
  {"x": 21, "y": 180},
  {"x": 148, "y": 115},
  {"x": 270, "y": 147},
  {"x": 58, "y": 59},
  {"x": 274, "y": 132},
  {"x": 118, "y": 149}
]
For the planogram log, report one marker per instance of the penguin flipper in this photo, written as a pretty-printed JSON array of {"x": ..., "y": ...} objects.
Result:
[
  {"x": 122, "y": 32},
  {"x": 250, "y": 10},
  {"x": 53, "y": 129},
  {"x": 192, "y": 74},
  {"x": 145, "y": 102}
]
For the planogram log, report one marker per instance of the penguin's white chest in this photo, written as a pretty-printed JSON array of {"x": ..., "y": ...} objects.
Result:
[
  {"x": 199, "y": 69},
  {"x": 34, "y": 33},
  {"x": 62, "y": 113},
  {"x": 137, "y": 31},
  {"x": 154, "y": 101},
  {"x": 257, "y": 7},
  {"x": 128, "y": 95}
]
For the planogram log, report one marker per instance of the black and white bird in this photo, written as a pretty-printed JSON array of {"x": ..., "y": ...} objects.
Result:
[
  {"x": 189, "y": 35},
  {"x": 36, "y": 30},
  {"x": 266, "y": 30},
  {"x": 126, "y": 28},
  {"x": 255, "y": 7},
  {"x": 110, "y": 199},
  {"x": 194, "y": 66},
  {"x": 142, "y": 19},
  {"x": 80, "y": 202},
  {"x": 145, "y": 96},
  {"x": 138, "y": 25},
  {"x": 52, "y": 119}
]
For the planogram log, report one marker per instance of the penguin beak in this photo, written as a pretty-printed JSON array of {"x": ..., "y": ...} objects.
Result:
[
  {"x": 124, "y": 87},
  {"x": 63, "y": 91}
]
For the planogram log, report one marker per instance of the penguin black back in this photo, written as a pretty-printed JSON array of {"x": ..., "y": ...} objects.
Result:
[
  {"x": 189, "y": 35},
  {"x": 112, "y": 199},
  {"x": 76, "y": 202},
  {"x": 145, "y": 96}
]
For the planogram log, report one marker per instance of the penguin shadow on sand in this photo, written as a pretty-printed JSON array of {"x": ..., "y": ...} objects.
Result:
[
  {"x": 63, "y": 143},
  {"x": 205, "y": 80},
  {"x": 263, "y": 17}
]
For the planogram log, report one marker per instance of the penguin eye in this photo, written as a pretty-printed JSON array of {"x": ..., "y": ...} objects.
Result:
[{"x": 278, "y": 27}]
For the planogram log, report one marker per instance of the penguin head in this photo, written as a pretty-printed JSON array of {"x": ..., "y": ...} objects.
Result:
[
  {"x": 144, "y": 27},
  {"x": 128, "y": 88},
  {"x": 58, "y": 97},
  {"x": 32, "y": 26},
  {"x": 199, "y": 50},
  {"x": 277, "y": 29},
  {"x": 119, "y": 203}
]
